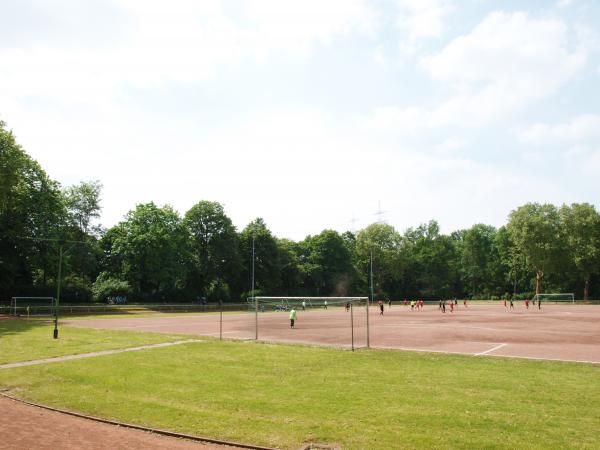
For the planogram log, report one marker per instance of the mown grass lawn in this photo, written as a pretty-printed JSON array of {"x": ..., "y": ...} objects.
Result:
[
  {"x": 282, "y": 396},
  {"x": 28, "y": 339}
]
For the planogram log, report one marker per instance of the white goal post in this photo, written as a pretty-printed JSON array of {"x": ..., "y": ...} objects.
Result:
[
  {"x": 264, "y": 304},
  {"x": 560, "y": 297},
  {"x": 32, "y": 306},
  {"x": 286, "y": 303}
]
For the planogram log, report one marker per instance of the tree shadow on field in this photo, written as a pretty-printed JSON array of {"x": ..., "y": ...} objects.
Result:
[{"x": 15, "y": 325}]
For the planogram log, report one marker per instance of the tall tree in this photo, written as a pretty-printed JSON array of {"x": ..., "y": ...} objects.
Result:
[
  {"x": 535, "y": 232},
  {"x": 326, "y": 264},
  {"x": 267, "y": 265},
  {"x": 30, "y": 207},
  {"x": 432, "y": 261},
  {"x": 152, "y": 244},
  {"x": 581, "y": 225},
  {"x": 83, "y": 203},
  {"x": 478, "y": 258},
  {"x": 383, "y": 242},
  {"x": 214, "y": 248}
]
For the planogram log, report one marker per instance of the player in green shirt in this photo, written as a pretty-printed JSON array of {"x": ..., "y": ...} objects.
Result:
[{"x": 292, "y": 317}]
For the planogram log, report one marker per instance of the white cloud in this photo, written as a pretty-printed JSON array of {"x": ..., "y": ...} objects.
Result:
[
  {"x": 182, "y": 41},
  {"x": 591, "y": 164},
  {"x": 564, "y": 3},
  {"x": 420, "y": 20},
  {"x": 451, "y": 145},
  {"x": 504, "y": 64},
  {"x": 579, "y": 129}
]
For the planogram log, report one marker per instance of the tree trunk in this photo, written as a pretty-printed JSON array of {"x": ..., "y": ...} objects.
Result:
[
  {"x": 586, "y": 288},
  {"x": 538, "y": 281}
]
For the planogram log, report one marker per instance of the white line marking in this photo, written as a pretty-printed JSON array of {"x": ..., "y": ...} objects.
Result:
[
  {"x": 535, "y": 358},
  {"x": 490, "y": 350},
  {"x": 94, "y": 354}
]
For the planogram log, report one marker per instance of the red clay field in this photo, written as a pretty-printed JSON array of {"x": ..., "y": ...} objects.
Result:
[{"x": 556, "y": 332}]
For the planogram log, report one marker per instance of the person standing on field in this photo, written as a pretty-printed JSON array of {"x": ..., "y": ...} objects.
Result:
[
  {"x": 292, "y": 317},
  {"x": 303, "y": 305},
  {"x": 325, "y": 304}
]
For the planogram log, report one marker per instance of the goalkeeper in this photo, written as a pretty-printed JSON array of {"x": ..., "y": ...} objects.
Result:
[{"x": 292, "y": 317}]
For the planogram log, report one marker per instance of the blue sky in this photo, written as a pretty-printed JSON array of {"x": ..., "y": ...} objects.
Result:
[{"x": 311, "y": 113}]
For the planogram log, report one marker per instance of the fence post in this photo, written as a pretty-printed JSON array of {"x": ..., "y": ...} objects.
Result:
[{"x": 352, "y": 324}]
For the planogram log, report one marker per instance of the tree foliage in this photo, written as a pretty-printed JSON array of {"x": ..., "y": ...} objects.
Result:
[{"x": 153, "y": 254}]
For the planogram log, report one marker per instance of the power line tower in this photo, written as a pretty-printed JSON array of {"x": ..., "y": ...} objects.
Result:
[{"x": 380, "y": 213}]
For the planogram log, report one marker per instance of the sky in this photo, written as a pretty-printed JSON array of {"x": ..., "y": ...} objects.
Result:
[{"x": 313, "y": 114}]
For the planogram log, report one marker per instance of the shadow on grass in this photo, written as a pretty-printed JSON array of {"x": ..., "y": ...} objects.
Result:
[{"x": 15, "y": 325}]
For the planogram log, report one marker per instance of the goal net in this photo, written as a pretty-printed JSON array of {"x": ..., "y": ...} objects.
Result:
[
  {"x": 32, "y": 306},
  {"x": 266, "y": 304},
  {"x": 337, "y": 321},
  {"x": 555, "y": 298}
]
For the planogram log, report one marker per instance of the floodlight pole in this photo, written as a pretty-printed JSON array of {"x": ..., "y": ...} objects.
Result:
[
  {"x": 253, "y": 294},
  {"x": 352, "y": 324},
  {"x": 220, "y": 319},
  {"x": 60, "y": 257},
  {"x": 372, "y": 300},
  {"x": 62, "y": 252}
]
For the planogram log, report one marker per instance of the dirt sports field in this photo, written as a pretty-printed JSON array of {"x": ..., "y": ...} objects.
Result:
[{"x": 556, "y": 332}]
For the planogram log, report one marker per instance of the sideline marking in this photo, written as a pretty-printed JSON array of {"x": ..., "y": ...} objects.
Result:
[
  {"x": 93, "y": 354},
  {"x": 490, "y": 350}
]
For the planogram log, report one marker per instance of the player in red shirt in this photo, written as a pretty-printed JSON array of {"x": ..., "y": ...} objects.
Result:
[{"x": 527, "y": 303}]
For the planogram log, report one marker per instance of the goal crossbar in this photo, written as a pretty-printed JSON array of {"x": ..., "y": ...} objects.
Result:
[
  {"x": 33, "y": 305},
  {"x": 556, "y": 297}
]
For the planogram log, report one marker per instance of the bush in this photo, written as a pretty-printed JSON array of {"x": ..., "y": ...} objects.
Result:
[{"x": 106, "y": 286}]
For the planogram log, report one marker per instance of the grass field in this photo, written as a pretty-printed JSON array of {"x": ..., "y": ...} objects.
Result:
[
  {"x": 25, "y": 340},
  {"x": 281, "y": 395}
]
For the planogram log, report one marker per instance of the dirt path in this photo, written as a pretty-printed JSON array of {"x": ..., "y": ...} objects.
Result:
[{"x": 27, "y": 427}]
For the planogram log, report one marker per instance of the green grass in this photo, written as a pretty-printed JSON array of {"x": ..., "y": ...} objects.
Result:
[
  {"x": 282, "y": 396},
  {"x": 25, "y": 340}
]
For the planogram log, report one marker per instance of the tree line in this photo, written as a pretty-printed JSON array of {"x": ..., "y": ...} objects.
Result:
[{"x": 155, "y": 254}]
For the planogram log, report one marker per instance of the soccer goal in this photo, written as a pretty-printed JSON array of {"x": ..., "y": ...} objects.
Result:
[
  {"x": 555, "y": 298},
  {"x": 340, "y": 321},
  {"x": 32, "y": 306}
]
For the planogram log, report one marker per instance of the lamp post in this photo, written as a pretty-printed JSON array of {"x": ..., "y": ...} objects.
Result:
[
  {"x": 253, "y": 293},
  {"x": 61, "y": 253}
]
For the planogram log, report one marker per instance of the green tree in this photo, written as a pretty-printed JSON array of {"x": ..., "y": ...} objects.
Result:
[
  {"x": 214, "y": 248},
  {"x": 326, "y": 264},
  {"x": 83, "y": 204},
  {"x": 291, "y": 282},
  {"x": 535, "y": 232},
  {"x": 151, "y": 245},
  {"x": 31, "y": 207},
  {"x": 512, "y": 270},
  {"x": 267, "y": 264},
  {"x": 581, "y": 225},
  {"x": 478, "y": 259},
  {"x": 383, "y": 242},
  {"x": 433, "y": 261}
]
